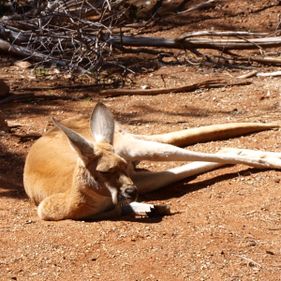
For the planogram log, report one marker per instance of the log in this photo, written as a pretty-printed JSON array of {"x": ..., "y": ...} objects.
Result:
[{"x": 196, "y": 43}]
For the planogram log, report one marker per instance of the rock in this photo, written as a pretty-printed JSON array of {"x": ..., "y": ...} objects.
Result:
[{"x": 4, "y": 89}]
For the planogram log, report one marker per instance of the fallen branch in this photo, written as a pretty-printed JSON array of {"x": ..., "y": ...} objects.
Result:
[
  {"x": 248, "y": 75},
  {"x": 269, "y": 74},
  {"x": 237, "y": 61},
  {"x": 196, "y": 43},
  {"x": 221, "y": 33},
  {"x": 200, "y": 6},
  {"x": 187, "y": 88},
  {"x": 266, "y": 60},
  {"x": 28, "y": 53},
  {"x": 186, "y": 41},
  {"x": 260, "y": 74},
  {"x": 219, "y": 83}
]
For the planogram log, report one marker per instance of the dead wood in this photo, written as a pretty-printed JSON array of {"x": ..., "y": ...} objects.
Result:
[
  {"x": 179, "y": 43},
  {"x": 204, "y": 5},
  {"x": 186, "y": 88},
  {"x": 213, "y": 33},
  {"x": 269, "y": 74},
  {"x": 197, "y": 43},
  {"x": 87, "y": 35},
  {"x": 212, "y": 83},
  {"x": 266, "y": 60},
  {"x": 248, "y": 75}
]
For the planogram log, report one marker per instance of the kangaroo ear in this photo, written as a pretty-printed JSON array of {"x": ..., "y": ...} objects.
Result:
[
  {"x": 102, "y": 124},
  {"x": 78, "y": 142}
]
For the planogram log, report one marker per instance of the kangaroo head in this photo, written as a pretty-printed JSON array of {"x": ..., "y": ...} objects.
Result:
[{"x": 107, "y": 172}]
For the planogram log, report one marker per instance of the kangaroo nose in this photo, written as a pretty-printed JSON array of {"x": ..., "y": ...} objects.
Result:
[{"x": 130, "y": 193}]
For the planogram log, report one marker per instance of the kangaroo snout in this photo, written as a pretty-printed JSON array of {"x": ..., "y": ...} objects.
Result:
[{"x": 129, "y": 193}]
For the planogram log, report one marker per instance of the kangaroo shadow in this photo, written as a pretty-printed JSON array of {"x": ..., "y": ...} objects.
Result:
[
  {"x": 11, "y": 171},
  {"x": 11, "y": 189},
  {"x": 184, "y": 187}
]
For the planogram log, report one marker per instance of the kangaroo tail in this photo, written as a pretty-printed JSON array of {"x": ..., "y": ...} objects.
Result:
[{"x": 209, "y": 133}]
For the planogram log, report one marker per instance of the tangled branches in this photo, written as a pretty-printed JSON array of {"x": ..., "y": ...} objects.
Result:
[
  {"x": 86, "y": 35},
  {"x": 70, "y": 33}
]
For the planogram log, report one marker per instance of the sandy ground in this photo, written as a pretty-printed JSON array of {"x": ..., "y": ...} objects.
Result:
[{"x": 226, "y": 224}]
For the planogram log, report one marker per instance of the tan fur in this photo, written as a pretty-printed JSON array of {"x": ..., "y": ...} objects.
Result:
[
  {"x": 63, "y": 186},
  {"x": 66, "y": 185},
  {"x": 64, "y": 178},
  {"x": 209, "y": 133}
]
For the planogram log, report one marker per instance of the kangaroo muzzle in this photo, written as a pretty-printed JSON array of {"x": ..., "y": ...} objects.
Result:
[{"x": 128, "y": 193}]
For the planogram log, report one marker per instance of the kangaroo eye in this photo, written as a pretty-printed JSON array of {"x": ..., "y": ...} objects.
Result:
[{"x": 107, "y": 172}]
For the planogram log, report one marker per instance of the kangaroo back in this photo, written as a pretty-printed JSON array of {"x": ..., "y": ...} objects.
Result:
[{"x": 51, "y": 161}]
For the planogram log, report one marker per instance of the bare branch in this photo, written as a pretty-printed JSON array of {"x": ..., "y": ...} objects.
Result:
[
  {"x": 84, "y": 35},
  {"x": 199, "y": 6}
]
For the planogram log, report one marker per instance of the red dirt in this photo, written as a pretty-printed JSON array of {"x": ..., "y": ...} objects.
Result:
[{"x": 226, "y": 223}]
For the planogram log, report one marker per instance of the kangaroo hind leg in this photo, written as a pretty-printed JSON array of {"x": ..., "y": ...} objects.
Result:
[
  {"x": 54, "y": 207},
  {"x": 151, "y": 181},
  {"x": 69, "y": 205}
]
